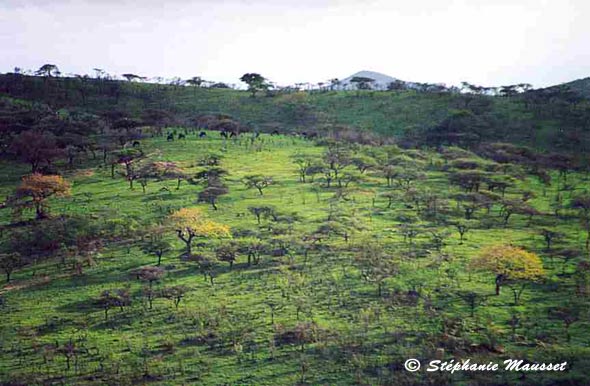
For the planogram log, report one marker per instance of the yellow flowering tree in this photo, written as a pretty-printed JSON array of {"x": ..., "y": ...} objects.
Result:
[
  {"x": 513, "y": 266},
  {"x": 35, "y": 189},
  {"x": 191, "y": 223}
]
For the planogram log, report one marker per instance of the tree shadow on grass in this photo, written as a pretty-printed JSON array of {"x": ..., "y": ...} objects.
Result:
[
  {"x": 86, "y": 306},
  {"x": 162, "y": 195},
  {"x": 77, "y": 282}
]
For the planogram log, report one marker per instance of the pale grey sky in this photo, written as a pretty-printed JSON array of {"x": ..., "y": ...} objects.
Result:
[{"x": 488, "y": 42}]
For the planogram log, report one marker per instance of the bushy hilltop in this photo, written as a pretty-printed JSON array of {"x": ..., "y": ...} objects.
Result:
[
  {"x": 579, "y": 87},
  {"x": 555, "y": 119}
]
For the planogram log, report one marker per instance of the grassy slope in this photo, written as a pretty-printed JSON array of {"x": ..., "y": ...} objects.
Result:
[{"x": 41, "y": 313}]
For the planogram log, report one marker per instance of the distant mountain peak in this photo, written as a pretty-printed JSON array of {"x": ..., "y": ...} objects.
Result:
[
  {"x": 380, "y": 80},
  {"x": 371, "y": 74}
]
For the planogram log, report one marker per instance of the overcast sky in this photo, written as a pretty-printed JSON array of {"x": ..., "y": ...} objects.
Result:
[{"x": 487, "y": 42}]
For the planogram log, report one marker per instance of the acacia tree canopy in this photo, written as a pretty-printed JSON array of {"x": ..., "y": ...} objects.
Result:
[
  {"x": 48, "y": 70},
  {"x": 35, "y": 147},
  {"x": 255, "y": 82},
  {"x": 191, "y": 223},
  {"x": 510, "y": 264},
  {"x": 34, "y": 191}
]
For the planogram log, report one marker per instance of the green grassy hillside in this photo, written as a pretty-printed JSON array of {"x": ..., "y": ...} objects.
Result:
[{"x": 351, "y": 281}]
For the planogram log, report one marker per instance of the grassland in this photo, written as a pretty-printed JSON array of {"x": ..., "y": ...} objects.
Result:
[{"x": 291, "y": 319}]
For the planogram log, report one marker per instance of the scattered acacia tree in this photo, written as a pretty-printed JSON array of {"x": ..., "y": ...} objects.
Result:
[
  {"x": 196, "y": 81},
  {"x": 374, "y": 264},
  {"x": 190, "y": 223},
  {"x": 363, "y": 163},
  {"x": 473, "y": 300},
  {"x": 582, "y": 279},
  {"x": 169, "y": 171},
  {"x": 510, "y": 207},
  {"x": 469, "y": 180},
  {"x": 70, "y": 351},
  {"x": 263, "y": 211},
  {"x": 227, "y": 252},
  {"x": 304, "y": 163},
  {"x": 125, "y": 129},
  {"x": 348, "y": 178},
  {"x": 257, "y": 181},
  {"x": 175, "y": 294},
  {"x": 128, "y": 158},
  {"x": 566, "y": 255},
  {"x": 48, "y": 70},
  {"x": 110, "y": 299},
  {"x": 409, "y": 231},
  {"x": 106, "y": 301},
  {"x": 339, "y": 222},
  {"x": 313, "y": 171},
  {"x": 213, "y": 178},
  {"x": 132, "y": 77},
  {"x": 157, "y": 170},
  {"x": 150, "y": 275},
  {"x": 210, "y": 160},
  {"x": 9, "y": 262},
  {"x": 157, "y": 118},
  {"x": 438, "y": 238},
  {"x": 34, "y": 191},
  {"x": 255, "y": 82},
  {"x": 550, "y": 236},
  {"x": 388, "y": 172},
  {"x": 144, "y": 174},
  {"x": 568, "y": 314},
  {"x": 253, "y": 248},
  {"x": 513, "y": 266},
  {"x": 211, "y": 194},
  {"x": 391, "y": 197},
  {"x": 406, "y": 177},
  {"x": 582, "y": 203},
  {"x": 470, "y": 203},
  {"x": 274, "y": 306},
  {"x": 464, "y": 226},
  {"x": 336, "y": 158},
  {"x": 362, "y": 82},
  {"x": 156, "y": 244},
  {"x": 206, "y": 265},
  {"x": 211, "y": 175},
  {"x": 35, "y": 147}
]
